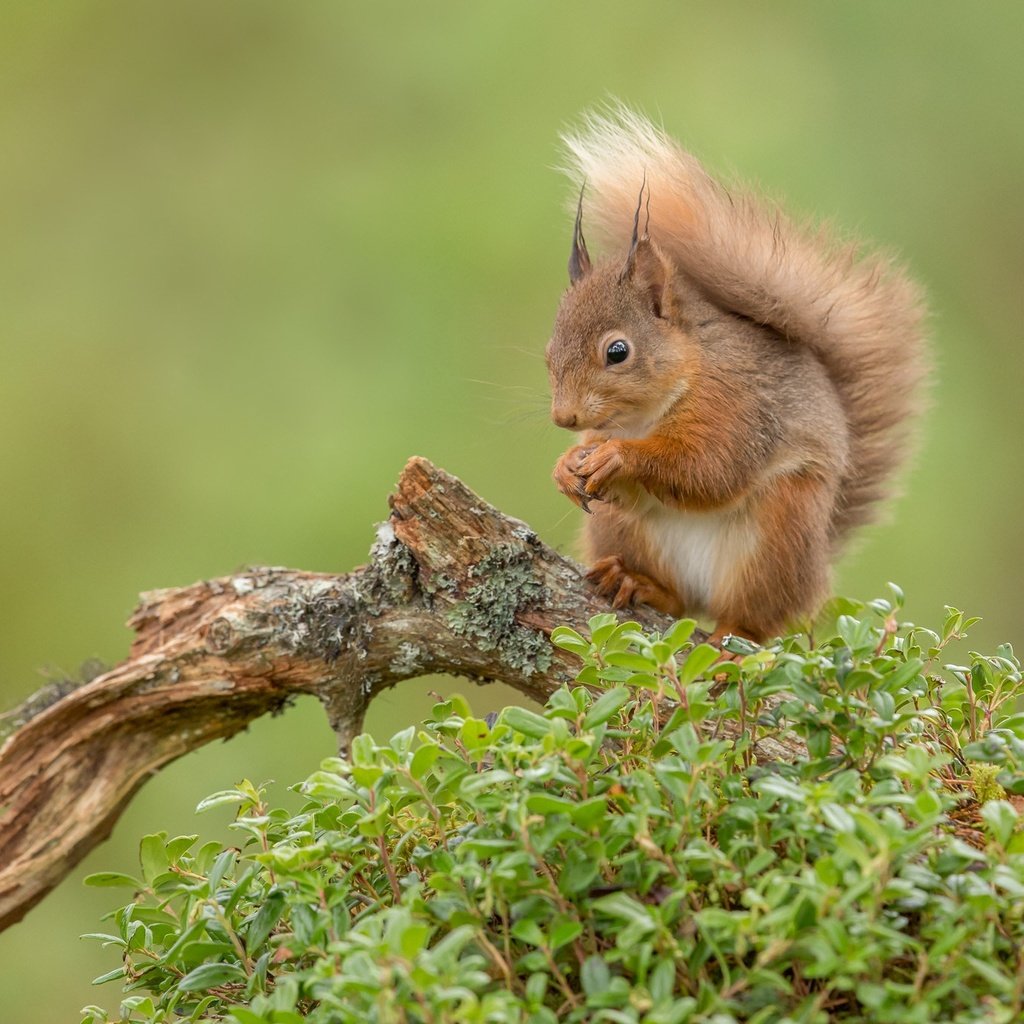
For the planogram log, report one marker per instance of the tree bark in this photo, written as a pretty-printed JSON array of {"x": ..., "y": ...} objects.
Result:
[{"x": 452, "y": 586}]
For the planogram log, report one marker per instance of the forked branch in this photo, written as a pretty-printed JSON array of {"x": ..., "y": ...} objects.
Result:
[{"x": 452, "y": 586}]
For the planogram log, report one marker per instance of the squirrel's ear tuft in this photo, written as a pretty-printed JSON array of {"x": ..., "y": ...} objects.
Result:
[
  {"x": 645, "y": 267},
  {"x": 627, "y": 267},
  {"x": 579, "y": 258},
  {"x": 649, "y": 271}
]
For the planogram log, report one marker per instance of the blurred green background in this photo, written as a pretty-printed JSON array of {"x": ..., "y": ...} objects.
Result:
[{"x": 256, "y": 254}]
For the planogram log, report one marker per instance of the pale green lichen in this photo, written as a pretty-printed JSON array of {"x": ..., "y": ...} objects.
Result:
[
  {"x": 409, "y": 659},
  {"x": 439, "y": 583},
  {"x": 489, "y": 609},
  {"x": 391, "y": 577}
]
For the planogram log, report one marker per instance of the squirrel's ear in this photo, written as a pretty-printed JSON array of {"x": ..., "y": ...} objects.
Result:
[
  {"x": 579, "y": 258},
  {"x": 648, "y": 270}
]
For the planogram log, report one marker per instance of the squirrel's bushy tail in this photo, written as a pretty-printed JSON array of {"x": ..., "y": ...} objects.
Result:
[{"x": 859, "y": 314}]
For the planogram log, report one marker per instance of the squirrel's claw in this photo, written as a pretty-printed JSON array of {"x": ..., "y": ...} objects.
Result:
[
  {"x": 568, "y": 479},
  {"x": 615, "y": 582},
  {"x": 585, "y": 499}
]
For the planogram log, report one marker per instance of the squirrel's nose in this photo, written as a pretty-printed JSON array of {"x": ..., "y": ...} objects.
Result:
[{"x": 564, "y": 418}]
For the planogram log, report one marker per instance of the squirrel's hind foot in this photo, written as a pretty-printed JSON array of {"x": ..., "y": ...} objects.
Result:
[{"x": 624, "y": 587}]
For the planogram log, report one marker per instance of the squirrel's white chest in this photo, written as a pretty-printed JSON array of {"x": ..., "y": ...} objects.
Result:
[{"x": 702, "y": 553}]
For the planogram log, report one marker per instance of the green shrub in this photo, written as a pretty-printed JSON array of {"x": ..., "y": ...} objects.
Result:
[{"x": 627, "y": 855}]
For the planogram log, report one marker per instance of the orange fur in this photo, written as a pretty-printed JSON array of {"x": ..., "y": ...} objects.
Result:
[{"x": 771, "y": 380}]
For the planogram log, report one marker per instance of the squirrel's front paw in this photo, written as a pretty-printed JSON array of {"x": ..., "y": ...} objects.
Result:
[
  {"x": 567, "y": 476},
  {"x": 600, "y": 467}
]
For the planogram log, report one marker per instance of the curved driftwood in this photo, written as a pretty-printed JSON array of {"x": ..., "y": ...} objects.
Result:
[{"x": 452, "y": 586}]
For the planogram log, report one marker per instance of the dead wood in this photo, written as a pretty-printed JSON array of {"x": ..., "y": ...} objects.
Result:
[{"x": 452, "y": 586}]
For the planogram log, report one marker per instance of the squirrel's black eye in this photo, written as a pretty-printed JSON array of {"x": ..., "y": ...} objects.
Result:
[{"x": 617, "y": 351}]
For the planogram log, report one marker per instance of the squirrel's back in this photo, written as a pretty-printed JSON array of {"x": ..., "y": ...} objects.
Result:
[{"x": 859, "y": 314}]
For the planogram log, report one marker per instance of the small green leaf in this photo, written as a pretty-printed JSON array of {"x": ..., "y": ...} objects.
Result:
[
  {"x": 1002, "y": 819},
  {"x": 697, "y": 662},
  {"x": 595, "y": 976},
  {"x": 153, "y": 855},
  {"x": 474, "y": 733},
  {"x": 221, "y": 866},
  {"x": 207, "y": 976},
  {"x": 590, "y": 812},
  {"x": 423, "y": 759},
  {"x": 545, "y": 803},
  {"x": 263, "y": 923},
  {"x": 105, "y": 938},
  {"x": 527, "y": 930},
  {"x": 140, "y": 1004},
  {"x": 414, "y": 938},
  {"x": 826, "y": 870},
  {"x": 602, "y": 626},
  {"x": 628, "y": 659},
  {"x": 112, "y": 879},
  {"x": 118, "y": 972},
  {"x": 363, "y": 750},
  {"x": 529, "y": 723},
  {"x": 220, "y": 799},
  {"x": 569, "y": 640},
  {"x": 927, "y": 804},
  {"x": 677, "y": 636},
  {"x": 622, "y": 905},
  {"x": 605, "y": 706},
  {"x": 838, "y": 817},
  {"x": 536, "y": 987},
  {"x": 563, "y": 932}
]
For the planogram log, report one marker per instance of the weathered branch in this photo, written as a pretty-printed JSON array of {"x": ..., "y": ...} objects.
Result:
[{"x": 453, "y": 586}]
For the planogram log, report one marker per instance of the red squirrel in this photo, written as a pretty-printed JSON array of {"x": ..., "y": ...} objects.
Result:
[{"x": 745, "y": 386}]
